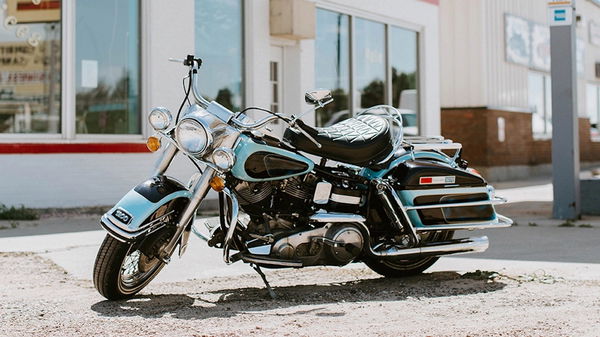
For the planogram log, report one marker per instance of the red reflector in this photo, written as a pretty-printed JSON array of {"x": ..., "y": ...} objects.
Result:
[{"x": 425, "y": 180}]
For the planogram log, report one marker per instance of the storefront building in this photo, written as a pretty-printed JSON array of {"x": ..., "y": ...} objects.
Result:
[
  {"x": 496, "y": 85},
  {"x": 78, "y": 77}
]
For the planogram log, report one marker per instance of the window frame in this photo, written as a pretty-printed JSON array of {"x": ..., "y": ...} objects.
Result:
[
  {"x": 388, "y": 22},
  {"x": 596, "y": 86},
  {"x": 547, "y": 99},
  {"x": 68, "y": 111}
]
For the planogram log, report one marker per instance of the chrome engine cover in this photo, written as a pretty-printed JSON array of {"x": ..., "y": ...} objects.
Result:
[{"x": 332, "y": 244}]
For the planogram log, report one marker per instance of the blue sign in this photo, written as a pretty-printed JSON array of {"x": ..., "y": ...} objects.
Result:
[{"x": 560, "y": 15}]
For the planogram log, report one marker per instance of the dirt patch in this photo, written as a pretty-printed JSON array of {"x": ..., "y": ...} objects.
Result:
[{"x": 39, "y": 298}]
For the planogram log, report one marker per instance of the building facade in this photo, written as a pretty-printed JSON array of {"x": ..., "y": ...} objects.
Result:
[
  {"x": 77, "y": 78},
  {"x": 496, "y": 85}
]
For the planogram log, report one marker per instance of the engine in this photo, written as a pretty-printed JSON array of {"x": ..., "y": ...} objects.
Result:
[
  {"x": 280, "y": 210},
  {"x": 278, "y": 205}
]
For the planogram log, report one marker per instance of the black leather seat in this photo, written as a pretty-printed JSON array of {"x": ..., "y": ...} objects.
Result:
[{"x": 361, "y": 140}]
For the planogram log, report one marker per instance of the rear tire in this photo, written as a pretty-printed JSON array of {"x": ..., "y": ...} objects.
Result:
[
  {"x": 393, "y": 268},
  {"x": 109, "y": 270}
]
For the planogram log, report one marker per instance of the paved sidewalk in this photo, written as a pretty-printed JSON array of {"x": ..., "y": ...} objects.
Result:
[{"x": 537, "y": 242}]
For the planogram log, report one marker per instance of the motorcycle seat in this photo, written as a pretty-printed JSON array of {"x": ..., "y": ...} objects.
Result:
[{"x": 361, "y": 140}]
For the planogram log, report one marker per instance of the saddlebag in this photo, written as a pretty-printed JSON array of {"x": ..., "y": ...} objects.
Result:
[{"x": 423, "y": 184}]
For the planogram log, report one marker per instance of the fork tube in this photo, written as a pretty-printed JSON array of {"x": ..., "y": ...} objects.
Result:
[
  {"x": 200, "y": 189},
  {"x": 165, "y": 160}
]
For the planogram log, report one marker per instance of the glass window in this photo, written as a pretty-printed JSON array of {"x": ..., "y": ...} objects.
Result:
[
  {"x": 540, "y": 103},
  {"x": 332, "y": 65},
  {"x": 404, "y": 64},
  {"x": 107, "y": 67},
  {"x": 368, "y": 85},
  {"x": 593, "y": 108},
  {"x": 219, "y": 43},
  {"x": 30, "y": 67},
  {"x": 369, "y": 51}
]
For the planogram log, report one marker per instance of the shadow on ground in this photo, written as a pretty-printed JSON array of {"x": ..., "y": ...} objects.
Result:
[{"x": 231, "y": 302}]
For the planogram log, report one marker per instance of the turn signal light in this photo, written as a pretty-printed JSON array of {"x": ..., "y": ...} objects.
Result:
[
  {"x": 217, "y": 184},
  {"x": 153, "y": 143}
]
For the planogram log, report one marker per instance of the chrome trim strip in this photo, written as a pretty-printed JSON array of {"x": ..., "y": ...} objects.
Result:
[
  {"x": 257, "y": 260},
  {"x": 460, "y": 246},
  {"x": 494, "y": 201},
  {"x": 468, "y": 226},
  {"x": 337, "y": 217},
  {"x": 430, "y": 146}
]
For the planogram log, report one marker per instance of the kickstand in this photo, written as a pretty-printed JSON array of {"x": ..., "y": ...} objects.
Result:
[{"x": 264, "y": 278}]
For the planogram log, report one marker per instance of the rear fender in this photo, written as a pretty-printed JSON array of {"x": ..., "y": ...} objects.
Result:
[{"x": 126, "y": 221}]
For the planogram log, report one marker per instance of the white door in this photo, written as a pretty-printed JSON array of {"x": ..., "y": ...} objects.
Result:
[{"x": 276, "y": 87}]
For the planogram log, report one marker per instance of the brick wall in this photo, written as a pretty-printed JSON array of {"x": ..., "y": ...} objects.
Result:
[{"x": 477, "y": 130}]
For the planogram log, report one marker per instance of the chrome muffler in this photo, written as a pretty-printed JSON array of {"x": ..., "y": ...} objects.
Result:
[{"x": 458, "y": 246}]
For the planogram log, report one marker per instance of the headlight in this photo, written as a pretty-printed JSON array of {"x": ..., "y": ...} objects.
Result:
[
  {"x": 160, "y": 118},
  {"x": 223, "y": 158},
  {"x": 193, "y": 136}
]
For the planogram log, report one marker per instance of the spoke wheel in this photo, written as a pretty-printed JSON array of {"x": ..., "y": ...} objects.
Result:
[
  {"x": 400, "y": 267},
  {"x": 123, "y": 269}
]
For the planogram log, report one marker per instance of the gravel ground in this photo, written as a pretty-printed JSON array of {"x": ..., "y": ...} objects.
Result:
[{"x": 38, "y": 298}]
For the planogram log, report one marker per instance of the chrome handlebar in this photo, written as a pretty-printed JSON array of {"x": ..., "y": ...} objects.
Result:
[
  {"x": 255, "y": 125},
  {"x": 194, "y": 66}
]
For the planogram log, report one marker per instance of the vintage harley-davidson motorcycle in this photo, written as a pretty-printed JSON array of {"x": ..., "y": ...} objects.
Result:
[{"x": 367, "y": 195}]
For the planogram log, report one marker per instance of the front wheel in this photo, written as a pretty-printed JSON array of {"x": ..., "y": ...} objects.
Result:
[
  {"x": 398, "y": 267},
  {"x": 122, "y": 269}
]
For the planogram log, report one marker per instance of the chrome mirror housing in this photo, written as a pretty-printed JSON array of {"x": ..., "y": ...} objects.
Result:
[{"x": 319, "y": 97}]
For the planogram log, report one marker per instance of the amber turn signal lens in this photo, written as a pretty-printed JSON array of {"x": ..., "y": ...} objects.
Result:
[
  {"x": 217, "y": 184},
  {"x": 153, "y": 144}
]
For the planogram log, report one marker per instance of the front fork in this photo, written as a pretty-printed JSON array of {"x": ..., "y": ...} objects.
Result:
[{"x": 199, "y": 190}]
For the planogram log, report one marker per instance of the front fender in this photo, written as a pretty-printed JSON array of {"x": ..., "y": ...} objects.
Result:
[{"x": 126, "y": 221}]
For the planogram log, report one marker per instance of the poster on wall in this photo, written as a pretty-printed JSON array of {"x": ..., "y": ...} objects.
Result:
[
  {"x": 595, "y": 33},
  {"x": 540, "y": 47},
  {"x": 518, "y": 42},
  {"x": 31, "y": 11},
  {"x": 580, "y": 55}
]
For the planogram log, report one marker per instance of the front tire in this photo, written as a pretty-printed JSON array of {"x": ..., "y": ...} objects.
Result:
[
  {"x": 121, "y": 270},
  {"x": 390, "y": 267}
]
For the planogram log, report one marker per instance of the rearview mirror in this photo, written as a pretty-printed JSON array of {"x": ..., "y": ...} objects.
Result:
[{"x": 318, "y": 97}]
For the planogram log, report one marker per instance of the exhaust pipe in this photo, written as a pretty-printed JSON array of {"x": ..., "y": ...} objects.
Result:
[{"x": 458, "y": 246}]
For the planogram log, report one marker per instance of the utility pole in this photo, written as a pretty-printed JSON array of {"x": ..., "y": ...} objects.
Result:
[{"x": 565, "y": 127}]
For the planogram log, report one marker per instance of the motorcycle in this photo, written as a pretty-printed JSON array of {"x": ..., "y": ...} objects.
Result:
[{"x": 371, "y": 196}]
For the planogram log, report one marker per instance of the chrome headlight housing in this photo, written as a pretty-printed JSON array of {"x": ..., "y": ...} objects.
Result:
[
  {"x": 223, "y": 158},
  {"x": 160, "y": 118},
  {"x": 193, "y": 136}
]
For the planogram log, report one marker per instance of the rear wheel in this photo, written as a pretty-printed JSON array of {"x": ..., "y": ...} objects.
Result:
[{"x": 400, "y": 267}]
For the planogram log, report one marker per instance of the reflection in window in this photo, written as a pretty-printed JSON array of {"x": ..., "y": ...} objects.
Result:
[
  {"x": 30, "y": 67},
  {"x": 332, "y": 65},
  {"x": 107, "y": 67},
  {"x": 219, "y": 44},
  {"x": 540, "y": 103},
  {"x": 593, "y": 108},
  {"x": 369, "y": 51},
  {"x": 403, "y": 60}
]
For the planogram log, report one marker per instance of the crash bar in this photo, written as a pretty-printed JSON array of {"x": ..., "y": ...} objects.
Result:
[
  {"x": 496, "y": 200},
  {"x": 502, "y": 222}
]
